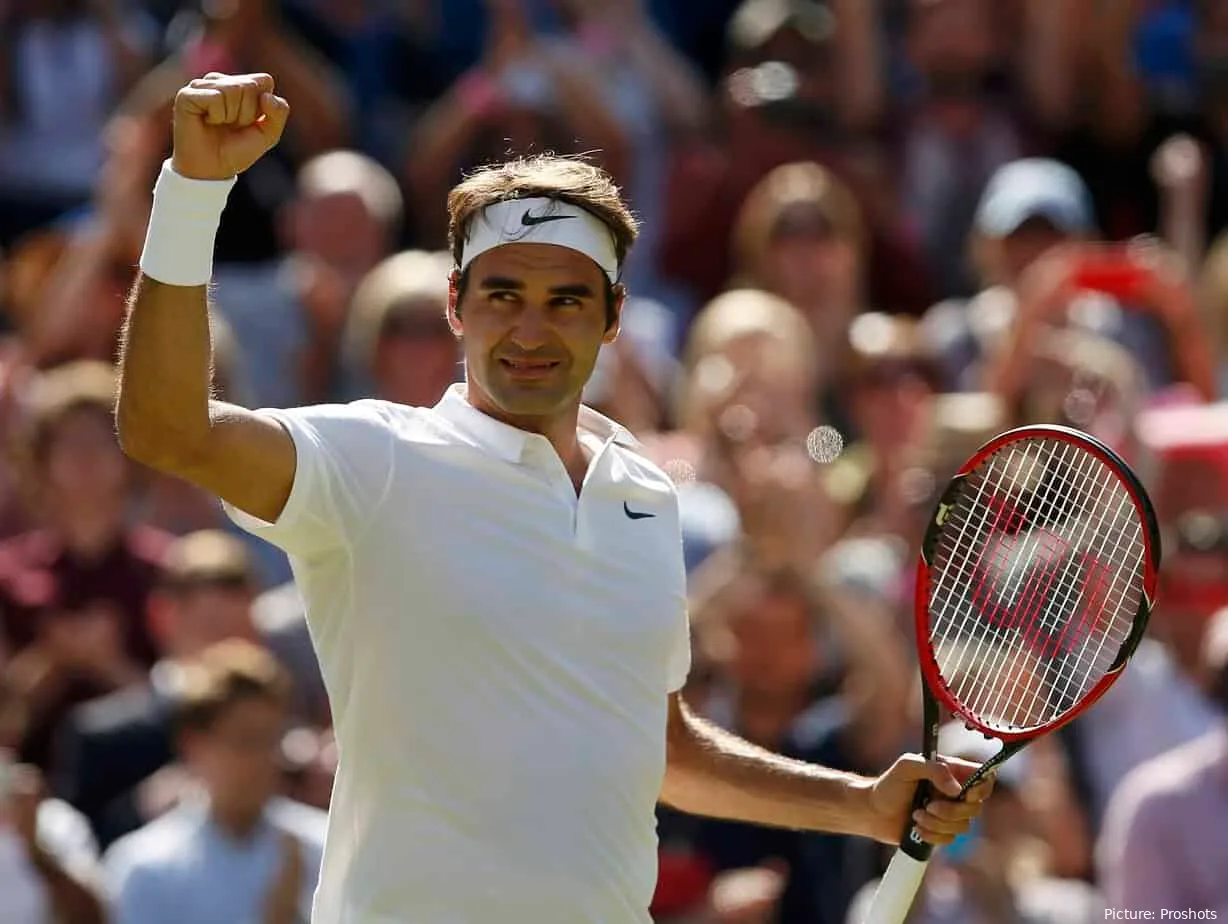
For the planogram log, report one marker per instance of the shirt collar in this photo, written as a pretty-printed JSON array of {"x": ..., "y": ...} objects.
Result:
[{"x": 508, "y": 442}]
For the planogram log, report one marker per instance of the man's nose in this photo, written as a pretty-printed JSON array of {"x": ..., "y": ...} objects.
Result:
[{"x": 531, "y": 331}]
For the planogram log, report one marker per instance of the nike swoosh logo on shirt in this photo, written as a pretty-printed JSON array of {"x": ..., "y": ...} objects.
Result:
[
  {"x": 633, "y": 515},
  {"x": 528, "y": 219}
]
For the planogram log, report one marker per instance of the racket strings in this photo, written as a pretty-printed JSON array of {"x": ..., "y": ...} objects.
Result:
[
  {"x": 1062, "y": 608},
  {"x": 1054, "y": 586},
  {"x": 1045, "y": 548},
  {"x": 1036, "y": 580}
]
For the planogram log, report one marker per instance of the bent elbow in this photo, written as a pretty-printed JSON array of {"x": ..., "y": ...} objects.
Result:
[
  {"x": 152, "y": 443},
  {"x": 139, "y": 446}
]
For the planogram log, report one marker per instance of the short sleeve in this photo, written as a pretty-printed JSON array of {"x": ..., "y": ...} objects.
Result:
[{"x": 343, "y": 469}]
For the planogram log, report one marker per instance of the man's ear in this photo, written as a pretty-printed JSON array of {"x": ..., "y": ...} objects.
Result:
[
  {"x": 612, "y": 329},
  {"x": 454, "y": 317}
]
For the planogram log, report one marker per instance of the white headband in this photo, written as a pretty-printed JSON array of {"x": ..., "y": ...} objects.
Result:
[{"x": 541, "y": 221}]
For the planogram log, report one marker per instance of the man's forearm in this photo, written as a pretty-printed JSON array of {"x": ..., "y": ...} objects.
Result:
[
  {"x": 165, "y": 371},
  {"x": 717, "y": 774}
]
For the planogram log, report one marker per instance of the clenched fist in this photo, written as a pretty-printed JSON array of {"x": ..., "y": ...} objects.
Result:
[{"x": 224, "y": 124}]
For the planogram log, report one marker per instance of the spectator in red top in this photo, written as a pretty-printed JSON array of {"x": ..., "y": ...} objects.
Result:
[{"x": 73, "y": 592}]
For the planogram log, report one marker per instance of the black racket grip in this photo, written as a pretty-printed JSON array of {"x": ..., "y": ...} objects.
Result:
[{"x": 911, "y": 843}]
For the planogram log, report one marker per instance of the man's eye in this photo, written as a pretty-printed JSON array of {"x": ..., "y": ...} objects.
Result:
[
  {"x": 566, "y": 301},
  {"x": 503, "y": 296}
]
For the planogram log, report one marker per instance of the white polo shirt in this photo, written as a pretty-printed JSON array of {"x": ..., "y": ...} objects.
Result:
[{"x": 498, "y": 653}]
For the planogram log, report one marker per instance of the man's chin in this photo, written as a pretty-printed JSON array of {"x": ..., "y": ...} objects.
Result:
[{"x": 535, "y": 400}]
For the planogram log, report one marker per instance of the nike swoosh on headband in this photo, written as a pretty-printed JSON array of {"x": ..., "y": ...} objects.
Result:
[
  {"x": 528, "y": 219},
  {"x": 537, "y": 220}
]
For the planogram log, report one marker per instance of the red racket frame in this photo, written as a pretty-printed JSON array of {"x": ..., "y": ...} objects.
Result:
[{"x": 1151, "y": 566}]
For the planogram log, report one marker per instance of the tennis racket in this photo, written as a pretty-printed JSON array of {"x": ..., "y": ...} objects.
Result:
[{"x": 1036, "y": 577}]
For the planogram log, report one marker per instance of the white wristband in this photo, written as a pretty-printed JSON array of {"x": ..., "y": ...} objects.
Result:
[{"x": 182, "y": 227}]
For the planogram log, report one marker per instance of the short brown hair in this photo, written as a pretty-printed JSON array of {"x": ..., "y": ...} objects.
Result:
[
  {"x": 570, "y": 179},
  {"x": 224, "y": 675},
  {"x": 57, "y": 393},
  {"x": 734, "y": 315}
]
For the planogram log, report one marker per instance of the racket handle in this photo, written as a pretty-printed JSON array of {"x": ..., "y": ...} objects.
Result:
[{"x": 896, "y": 890}]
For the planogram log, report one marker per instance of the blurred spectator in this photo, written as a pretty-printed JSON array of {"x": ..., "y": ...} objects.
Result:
[
  {"x": 802, "y": 673},
  {"x": 957, "y": 131},
  {"x": 113, "y": 753},
  {"x": 884, "y": 475},
  {"x": 1026, "y": 210},
  {"x": 288, "y": 315},
  {"x": 799, "y": 87},
  {"x": 1160, "y": 702},
  {"x": 747, "y": 350},
  {"x": 746, "y": 410},
  {"x": 1079, "y": 379},
  {"x": 72, "y": 280},
  {"x": 48, "y": 857},
  {"x": 658, "y": 99},
  {"x": 235, "y": 851},
  {"x": 65, "y": 64},
  {"x": 1194, "y": 583},
  {"x": 525, "y": 94},
  {"x": 985, "y": 83},
  {"x": 997, "y": 872},
  {"x": 75, "y": 275},
  {"x": 800, "y": 235},
  {"x": 1126, "y": 121},
  {"x": 387, "y": 56},
  {"x": 1161, "y": 847},
  {"x": 244, "y": 36},
  {"x": 1185, "y": 456},
  {"x": 1032, "y": 245},
  {"x": 73, "y": 593},
  {"x": 397, "y": 343}
]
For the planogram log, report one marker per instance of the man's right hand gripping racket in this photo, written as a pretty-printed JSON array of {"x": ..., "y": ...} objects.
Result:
[{"x": 1035, "y": 581}]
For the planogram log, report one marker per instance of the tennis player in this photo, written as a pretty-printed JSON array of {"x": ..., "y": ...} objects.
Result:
[{"x": 494, "y": 585}]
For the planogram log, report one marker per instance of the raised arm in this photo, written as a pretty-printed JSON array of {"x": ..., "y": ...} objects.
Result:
[{"x": 165, "y": 415}]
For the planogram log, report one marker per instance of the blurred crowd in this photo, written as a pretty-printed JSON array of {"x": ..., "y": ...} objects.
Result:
[{"x": 875, "y": 233}]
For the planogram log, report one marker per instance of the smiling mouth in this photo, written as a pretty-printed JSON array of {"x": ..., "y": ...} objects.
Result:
[{"x": 530, "y": 366}]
